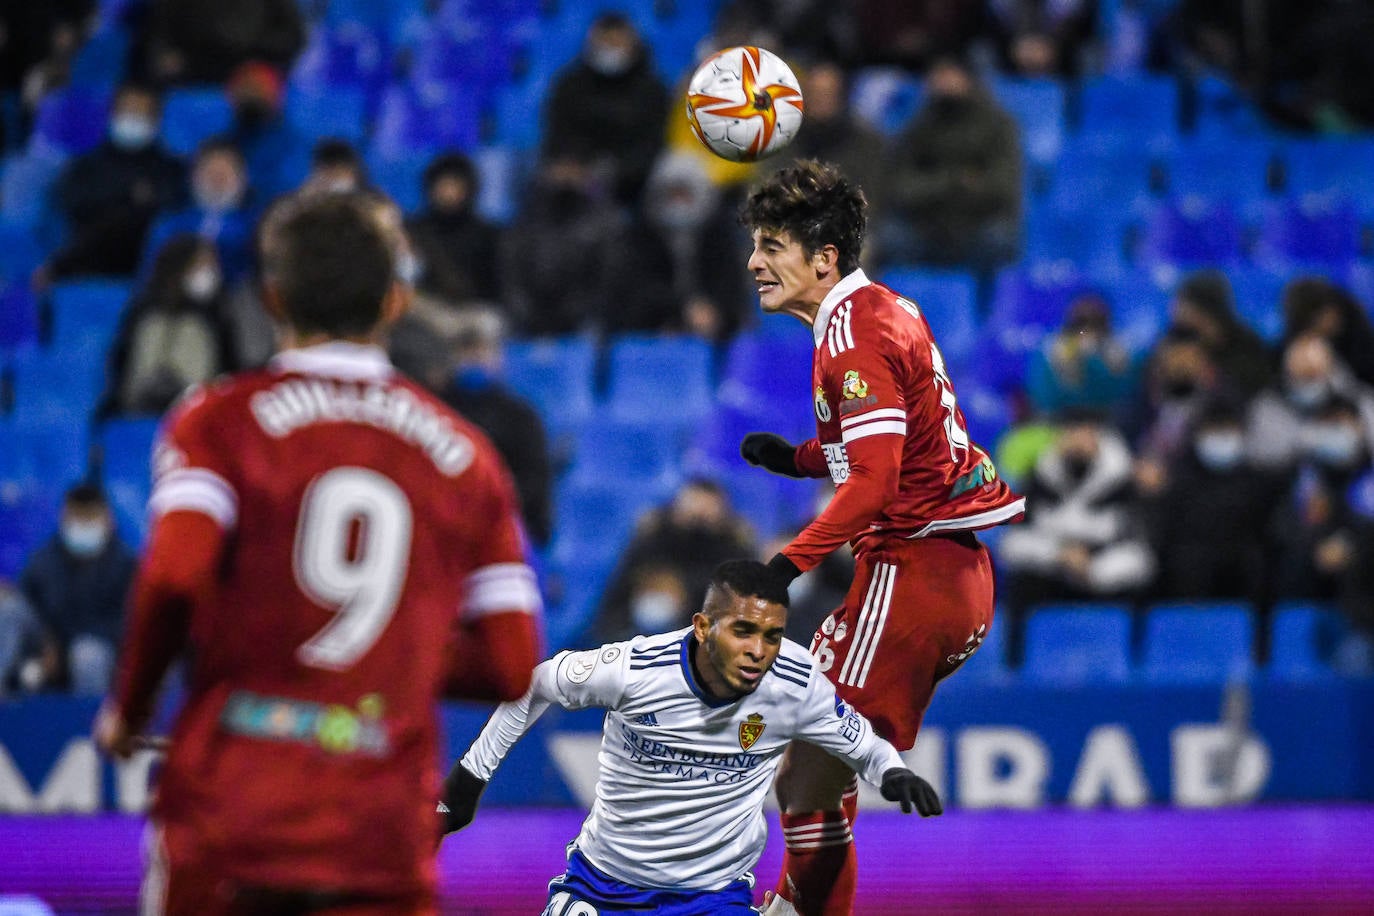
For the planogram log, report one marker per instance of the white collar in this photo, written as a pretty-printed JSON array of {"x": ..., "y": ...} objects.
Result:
[
  {"x": 335, "y": 359},
  {"x": 838, "y": 293}
]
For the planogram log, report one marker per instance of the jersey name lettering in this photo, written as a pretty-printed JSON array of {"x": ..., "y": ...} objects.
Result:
[{"x": 837, "y": 460}]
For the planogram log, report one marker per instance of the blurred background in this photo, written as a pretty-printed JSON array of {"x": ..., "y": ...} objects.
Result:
[{"x": 1142, "y": 230}]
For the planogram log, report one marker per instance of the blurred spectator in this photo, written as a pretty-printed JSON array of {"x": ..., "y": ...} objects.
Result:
[
  {"x": 272, "y": 148},
  {"x": 76, "y": 585},
  {"x": 1318, "y": 531},
  {"x": 662, "y": 578},
  {"x": 1315, "y": 305},
  {"x": 173, "y": 335},
  {"x": 832, "y": 134},
  {"x": 1286, "y": 424},
  {"x": 203, "y": 41},
  {"x": 37, "y": 42},
  {"x": 335, "y": 168},
  {"x": 1083, "y": 365},
  {"x": 611, "y": 104},
  {"x": 220, "y": 209},
  {"x": 17, "y": 630},
  {"x": 1211, "y": 524},
  {"x": 1042, "y": 37},
  {"x": 1205, "y": 305},
  {"x": 1084, "y": 536},
  {"x": 913, "y": 33},
  {"x": 557, "y": 267},
  {"x": 458, "y": 250},
  {"x": 954, "y": 180},
  {"x": 1180, "y": 378},
  {"x": 476, "y": 391},
  {"x": 110, "y": 195},
  {"x": 806, "y": 28}
]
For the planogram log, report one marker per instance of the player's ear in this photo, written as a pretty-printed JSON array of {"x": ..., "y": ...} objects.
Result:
[
  {"x": 271, "y": 300},
  {"x": 826, "y": 260},
  {"x": 397, "y": 302},
  {"x": 701, "y": 625}
]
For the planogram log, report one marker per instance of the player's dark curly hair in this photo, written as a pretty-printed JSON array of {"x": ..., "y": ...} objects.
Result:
[
  {"x": 747, "y": 579},
  {"x": 816, "y": 205}
]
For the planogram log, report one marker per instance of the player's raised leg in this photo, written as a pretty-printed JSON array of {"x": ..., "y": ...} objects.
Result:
[{"x": 819, "y": 867}]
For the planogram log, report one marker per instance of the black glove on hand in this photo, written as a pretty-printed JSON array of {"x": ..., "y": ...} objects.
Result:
[
  {"x": 458, "y": 804},
  {"x": 903, "y": 786},
  {"x": 770, "y": 451},
  {"x": 784, "y": 568}
]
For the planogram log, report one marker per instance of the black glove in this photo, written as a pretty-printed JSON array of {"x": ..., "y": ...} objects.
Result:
[
  {"x": 902, "y": 785},
  {"x": 458, "y": 804},
  {"x": 784, "y": 568},
  {"x": 770, "y": 451}
]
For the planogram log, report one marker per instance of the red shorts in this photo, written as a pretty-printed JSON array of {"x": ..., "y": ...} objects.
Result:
[
  {"x": 916, "y": 610},
  {"x": 182, "y": 884}
]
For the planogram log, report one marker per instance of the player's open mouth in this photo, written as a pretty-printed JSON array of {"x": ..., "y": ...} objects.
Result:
[
  {"x": 750, "y": 674},
  {"x": 766, "y": 286}
]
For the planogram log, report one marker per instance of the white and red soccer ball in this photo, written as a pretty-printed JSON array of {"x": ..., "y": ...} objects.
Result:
[{"x": 744, "y": 103}]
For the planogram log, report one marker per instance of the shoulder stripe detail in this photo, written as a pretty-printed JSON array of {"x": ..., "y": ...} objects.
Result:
[
  {"x": 195, "y": 490},
  {"x": 500, "y": 587},
  {"x": 880, "y": 413},
  {"x": 794, "y": 665},
  {"x": 840, "y": 333},
  {"x": 789, "y": 678},
  {"x": 661, "y": 663},
  {"x": 657, "y": 651},
  {"x": 875, "y": 428}
]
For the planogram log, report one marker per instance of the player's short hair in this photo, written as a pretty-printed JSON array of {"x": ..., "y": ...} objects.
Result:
[
  {"x": 816, "y": 205},
  {"x": 85, "y": 495},
  {"x": 745, "y": 579},
  {"x": 331, "y": 260}
]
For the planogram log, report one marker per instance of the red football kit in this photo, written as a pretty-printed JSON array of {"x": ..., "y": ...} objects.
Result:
[
  {"x": 333, "y": 548},
  {"x": 911, "y": 487}
]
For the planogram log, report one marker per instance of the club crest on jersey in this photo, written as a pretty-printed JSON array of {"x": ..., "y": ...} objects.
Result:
[
  {"x": 750, "y": 730},
  {"x": 854, "y": 386},
  {"x": 822, "y": 405}
]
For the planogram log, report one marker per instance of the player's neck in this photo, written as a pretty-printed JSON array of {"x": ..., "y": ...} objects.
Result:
[
  {"x": 294, "y": 340},
  {"x": 714, "y": 687}
]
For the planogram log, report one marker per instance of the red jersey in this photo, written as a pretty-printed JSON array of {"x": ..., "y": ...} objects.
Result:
[
  {"x": 362, "y": 521},
  {"x": 890, "y": 433}
]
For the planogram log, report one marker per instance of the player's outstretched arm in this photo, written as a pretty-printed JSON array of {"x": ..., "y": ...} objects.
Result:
[
  {"x": 770, "y": 452},
  {"x": 911, "y": 792},
  {"x": 458, "y": 804}
]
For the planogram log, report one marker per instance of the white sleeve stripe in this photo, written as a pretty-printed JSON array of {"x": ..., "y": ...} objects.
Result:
[
  {"x": 499, "y": 571},
  {"x": 881, "y": 413},
  {"x": 514, "y": 589},
  {"x": 191, "y": 494},
  {"x": 876, "y": 428}
]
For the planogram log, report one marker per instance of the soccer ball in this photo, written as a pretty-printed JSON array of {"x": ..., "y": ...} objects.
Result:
[{"x": 744, "y": 104}]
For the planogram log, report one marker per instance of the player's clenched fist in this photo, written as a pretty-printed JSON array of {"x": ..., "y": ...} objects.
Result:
[
  {"x": 462, "y": 792},
  {"x": 911, "y": 791},
  {"x": 770, "y": 451}
]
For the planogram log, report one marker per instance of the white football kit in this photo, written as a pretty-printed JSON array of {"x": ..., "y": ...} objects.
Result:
[{"x": 679, "y": 799}]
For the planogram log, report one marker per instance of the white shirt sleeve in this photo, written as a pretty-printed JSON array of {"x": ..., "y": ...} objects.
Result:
[
  {"x": 573, "y": 680},
  {"x": 831, "y": 724}
]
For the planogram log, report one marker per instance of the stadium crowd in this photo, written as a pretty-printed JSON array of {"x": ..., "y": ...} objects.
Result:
[{"x": 1142, "y": 231}]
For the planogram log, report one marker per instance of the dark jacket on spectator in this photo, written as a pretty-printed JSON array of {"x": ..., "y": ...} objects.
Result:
[{"x": 71, "y": 596}]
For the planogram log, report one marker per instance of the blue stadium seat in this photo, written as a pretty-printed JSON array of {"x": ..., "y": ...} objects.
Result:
[
  {"x": 988, "y": 665},
  {"x": 425, "y": 118},
  {"x": 1131, "y": 110},
  {"x": 70, "y": 120},
  {"x": 338, "y": 112},
  {"x": 1302, "y": 638},
  {"x": 1086, "y": 174},
  {"x": 886, "y": 98},
  {"x": 1257, "y": 293},
  {"x": 99, "y": 62},
  {"x": 26, "y": 184},
  {"x": 948, "y": 300},
  {"x": 768, "y": 370},
  {"x": 37, "y": 455},
  {"x": 1226, "y": 168},
  {"x": 519, "y": 112},
  {"x": 1078, "y": 644},
  {"x": 86, "y": 313},
  {"x": 193, "y": 114},
  {"x": 469, "y": 53},
  {"x": 555, "y": 375},
  {"x": 1096, "y": 244},
  {"x": 1192, "y": 231},
  {"x": 639, "y": 455},
  {"x": 57, "y": 388},
  {"x": 1140, "y": 305},
  {"x": 18, "y": 316},
  {"x": 660, "y": 380},
  {"x": 1029, "y": 303},
  {"x": 1310, "y": 229},
  {"x": 126, "y": 454},
  {"x": 27, "y": 519},
  {"x": 1038, "y": 106},
  {"x": 1330, "y": 165},
  {"x": 1208, "y": 643}
]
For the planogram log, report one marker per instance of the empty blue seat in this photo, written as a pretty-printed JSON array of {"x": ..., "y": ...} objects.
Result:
[
  {"x": 1078, "y": 644},
  {"x": 1310, "y": 229},
  {"x": 1130, "y": 110},
  {"x": 1192, "y": 231},
  {"x": 344, "y": 54},
  {"x": 426, "y": 117},
  {"x": 1203, "y": 643},
  {"x": 639, "y": 455},
  {"x": 1302, "y": 638},
  {"x": 27, "y": 519},
  {"x": 99, "y": 62},
  {"x": 518, "y": 112},
  {"x": 555, "y": 375},
  {"x": 53, "y": 389},
  {"x": 948, "y": 300},
  {"x": 70, "y": 120},
  {"x": 36, "y": 455},
  {"x": 886, "y": 98},
  {"x": 1097, "y": 244},
  {"x": 1257, "y": 293},
  {"x": 1330, "y": 165},
  {"x": 659, "y": 379},
  {"x": 26, "y": 185},
  {"x": 768, "y": 371},
  {"x": 339, "y": 112},
  {"x": 1038, "y": 106},
  {"x": 988, "y": 663},
  {"x": 1086, "y": 174},
  {"x": 87, "y": 312},
  {"x": 126, "y": 446},
  {"x": 191, "y": 115},
  {"x": 1229, "y": 168}
]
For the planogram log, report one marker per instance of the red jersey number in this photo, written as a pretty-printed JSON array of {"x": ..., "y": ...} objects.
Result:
[{"x": 351, "y": 556}]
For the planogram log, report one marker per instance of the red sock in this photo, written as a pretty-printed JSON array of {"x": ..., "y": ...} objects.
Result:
[
  {"x": 850, "y": 801},
  {"x": 819, "y": 868}
]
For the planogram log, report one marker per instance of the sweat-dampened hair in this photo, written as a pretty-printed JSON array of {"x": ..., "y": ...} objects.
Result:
[{"x": 816, "y": 205}]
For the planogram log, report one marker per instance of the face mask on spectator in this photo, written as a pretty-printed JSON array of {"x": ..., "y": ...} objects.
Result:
[
  {"x": 652, "y": 611},
  {"x": 1336, "y": 444},
  {"x": 132, "y": 132},
  {"x": 1307, "y": 395},
  {"x": 201, "y": 283},
  {"x": 609, "y": 61},
  {"x": 84, "y": 539},
  {"x": 1220, "y": 451}
]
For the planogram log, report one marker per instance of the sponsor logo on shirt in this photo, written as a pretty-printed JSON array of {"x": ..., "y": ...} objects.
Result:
[
  {"x": 837, "y": 461},
  {"x": 855, "y": 405},
  {"x": 822, "y": 405},
  {"x": 688, "y": 763},
  {"x": 854, "y": 386},
  {"x": 983, "y": 473},
  {"x": 580, "y": 666},
  {"x": 750, "y": 730},
  {"x": 334, "y": 728},
  {"x": 647, "y": 719},
  {"x": 974, "y": 641}
]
